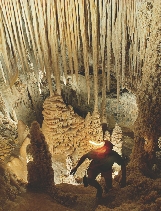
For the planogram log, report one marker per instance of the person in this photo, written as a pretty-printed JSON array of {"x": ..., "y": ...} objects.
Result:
[{"x": 103, "y": 159}]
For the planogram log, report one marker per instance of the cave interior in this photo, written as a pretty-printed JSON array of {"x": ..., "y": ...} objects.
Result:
[{"x": 72, "y": 74}]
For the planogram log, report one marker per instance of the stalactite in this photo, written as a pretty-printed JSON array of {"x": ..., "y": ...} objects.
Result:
[
  {"x": 83, "y": 30},
  {"x": 17, "y": 13},
  {"x": 27, "y": 24},
  {"x": 136, "y": 41},
  {"x": 89, "y": 23},
  {"x": 74, "y": 31},
  {"x": 58, "y": 31},
  {"x": 109, "y": 34},
  {"x": 103, "y": 30},
  {"x": 123, "y": 43},
  {"x": 54, "y": 51},
  {"x": 62, "y": 27},
  {"x": 7, "y": 42},
  {"x": 6, "y": 61},
  {"x": 133, "y": 45},
  {"x": 38, "y": 52},
  {"x": 119, "y": 53},
  {"x": 44, "y": 45},
  {"x": 116, "y": 43},
  {"x": 85, "y": 44},
  {"x": 68, "y": 36},
  {"x": 75, "y": 35},
  {"x": 29, "y": 38},
  {"x": 87, "y": 51},
  {"x": 94, "y": 18},
  {"x": 57, "y": 71},
  {"x": 1, "y": 49}
]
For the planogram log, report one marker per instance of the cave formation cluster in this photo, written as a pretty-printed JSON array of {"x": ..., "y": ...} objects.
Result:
[{"x": 43, "y": 45}]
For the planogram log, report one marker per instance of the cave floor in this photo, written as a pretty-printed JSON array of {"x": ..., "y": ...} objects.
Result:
[
  {"x": 36, "y": 201},
  {"x": 86, "y": 200},
  {"x": 143, "y": 196},
  {"x": 31, "y": 201}
]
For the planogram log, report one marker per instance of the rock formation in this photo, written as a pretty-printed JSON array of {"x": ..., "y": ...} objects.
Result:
[
  {"x": 40, "y": 173},
  {"x": 100, "y": 58}
]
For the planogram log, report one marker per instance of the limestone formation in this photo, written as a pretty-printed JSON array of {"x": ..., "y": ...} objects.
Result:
[
  {"x": 102, "y": 57},
  {"x": 67, "y": 133},
  {"x": 40, "y": 173}
]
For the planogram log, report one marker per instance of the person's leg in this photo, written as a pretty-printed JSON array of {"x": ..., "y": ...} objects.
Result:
[
  {"x": 108, "y": 179},
  {"x": 92, "y": 174}
]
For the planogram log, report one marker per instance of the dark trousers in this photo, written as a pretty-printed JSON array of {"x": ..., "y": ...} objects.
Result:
[{"x": 93, "y": 173}]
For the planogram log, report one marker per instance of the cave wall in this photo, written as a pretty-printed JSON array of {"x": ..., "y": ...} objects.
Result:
[
  {"x": 148, "y": 123},
  {"x": 76, "y": 94}
]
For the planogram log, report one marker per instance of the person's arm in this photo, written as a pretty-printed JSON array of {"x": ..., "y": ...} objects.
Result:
[
  {"x": 123, "y": 179},
  {"x": 82, "y": 159}
]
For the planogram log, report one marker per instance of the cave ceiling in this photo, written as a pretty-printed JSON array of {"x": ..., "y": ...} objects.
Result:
[{"x": 44, "y": 43}]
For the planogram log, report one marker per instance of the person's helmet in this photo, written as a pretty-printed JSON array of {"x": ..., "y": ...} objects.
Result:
[{"x": 108, "y": 144}]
